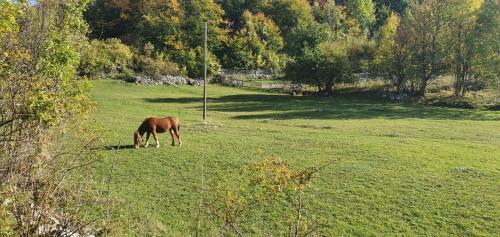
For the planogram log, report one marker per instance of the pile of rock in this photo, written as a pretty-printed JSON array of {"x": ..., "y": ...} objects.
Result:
[
  {"x": 238, "y": 83},
  {"x": 296, "y": 89},
  {"x": 253, "y": 74},
  {"x": 194, "y": 82},
  {"x": 230, "y": 80},
  {"x": 168, "y": 80}
]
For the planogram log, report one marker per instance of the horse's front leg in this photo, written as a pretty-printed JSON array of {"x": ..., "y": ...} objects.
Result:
[
  {"x": 147, "y": 139},
  {"x": 156, "y": 139},
  {"x": 173, "y": 136}
]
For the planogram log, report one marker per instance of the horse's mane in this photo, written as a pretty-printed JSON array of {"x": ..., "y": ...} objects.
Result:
[
  {"x": 143, "y": 124},
  {"x": 144, "y": 121}
]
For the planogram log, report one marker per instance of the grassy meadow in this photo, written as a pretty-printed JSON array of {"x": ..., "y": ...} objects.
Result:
[{"x": 404, "y": 169}]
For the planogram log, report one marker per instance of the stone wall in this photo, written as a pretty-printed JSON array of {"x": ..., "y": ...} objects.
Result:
[{"x": 168, "y": 80}]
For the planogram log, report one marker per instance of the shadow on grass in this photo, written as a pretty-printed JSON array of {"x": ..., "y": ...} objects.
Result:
[
  {"x": 182, "y": 100},
  {"x": 122, "y": 147},
  {"x": 283, "y": 107}
]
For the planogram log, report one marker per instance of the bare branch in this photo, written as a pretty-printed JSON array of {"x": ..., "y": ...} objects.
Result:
[
  {"x": 235, "y": 229},
  {"x": 3, "y": 123},
  {"x": 297, "y": 218},
  {"x": 312, "y": 230},
  {"x": 109, "y": 182}
]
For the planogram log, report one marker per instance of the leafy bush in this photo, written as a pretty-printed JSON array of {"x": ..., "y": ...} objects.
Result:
[
  {"x": 156, "y": 67},
  {"x": 323, "y": 66},
  {"x": 40, "y": 100},
  {"x": 106, "y": 57},
  {"x": 261, "y": 187},
  {"x": 193, "y": 63},
  {"x": 127, "y": 76},
  {"x": 6, "y": 222}
]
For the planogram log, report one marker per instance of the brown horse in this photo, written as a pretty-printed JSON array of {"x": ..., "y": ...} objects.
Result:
[{"x": 157, "y": 125}]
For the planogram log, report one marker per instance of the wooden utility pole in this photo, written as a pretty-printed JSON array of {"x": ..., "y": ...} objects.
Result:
[{"x": 205, "y": 76}]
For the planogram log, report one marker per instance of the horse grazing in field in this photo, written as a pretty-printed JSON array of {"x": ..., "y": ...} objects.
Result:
[{"x": 157, "y": 125}]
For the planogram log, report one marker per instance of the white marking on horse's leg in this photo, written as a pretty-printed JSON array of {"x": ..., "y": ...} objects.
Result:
[
  {"x": 173, "y": 137},
  {"x": 178, "y": 137},
  {"x": 156, "y": 139},
  {"x": 147, "y": 139}
]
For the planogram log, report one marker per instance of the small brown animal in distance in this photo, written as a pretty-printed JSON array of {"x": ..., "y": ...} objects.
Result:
[{"x": 153, "y": 125}]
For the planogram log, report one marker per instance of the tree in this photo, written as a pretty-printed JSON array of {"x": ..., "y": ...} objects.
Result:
[
  {"x": 386, "y": 55},
  {"x": 196, "y": 13},
  {"x": 339, "y": 23},
  {"x": 402, "y": 65},
  {"x": 192, "y": 62},
  {"x": 427, "y": 25},
  {"x": 288, "y": 13},
  {"x": 291, "y": 16},
  {"x": 323, "y": 66},
  {"x": 363, "y": 11},
  {"x": 464, "y": 40},
  {"x": 137, "y": 22},
  {"x": 109, "y": 19},
  {"x": 384, "y": 8},
  {"x": 488, "y": 20},
  {"x": 398, "y": 6},
  {"x": 234, "y": 10},
  {"x": 159, "y": 23},
  {"x": 190, "y": 55},
  {"x": 257, "y": 44},
  {"x": 473, "y": 41},
  {"x": 307, "y": 34},
  {"x": 40, "y": 99},
  {"x": 173, "y": 27}
]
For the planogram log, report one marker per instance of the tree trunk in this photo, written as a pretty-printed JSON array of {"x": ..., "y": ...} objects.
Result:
[
  {"x": 329, "y": 87},
  {"x": 459, "y": 62},
  {"x": 467, "y": 79},
  {"x": 399, "y": 83},
  {"x": 462, "y": 78},
  {"x": 320, "y": 88},
  {"x": 423, "y": 86},
  {"x": 459, "y": 84}
]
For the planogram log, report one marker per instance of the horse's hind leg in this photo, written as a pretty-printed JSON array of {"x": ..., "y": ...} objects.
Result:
[
  {"x": 178, "y": 134},
  {"x": 147, "y": 139},
  {"x": 156, "y": 139},
  {"x": 173, "y": 136}
]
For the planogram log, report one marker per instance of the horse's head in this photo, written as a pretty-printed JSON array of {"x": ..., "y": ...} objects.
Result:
[{"x": 137, "y": 139}]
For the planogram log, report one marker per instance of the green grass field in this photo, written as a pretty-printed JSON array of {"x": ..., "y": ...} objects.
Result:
[{"x": 404, "y": 170}]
